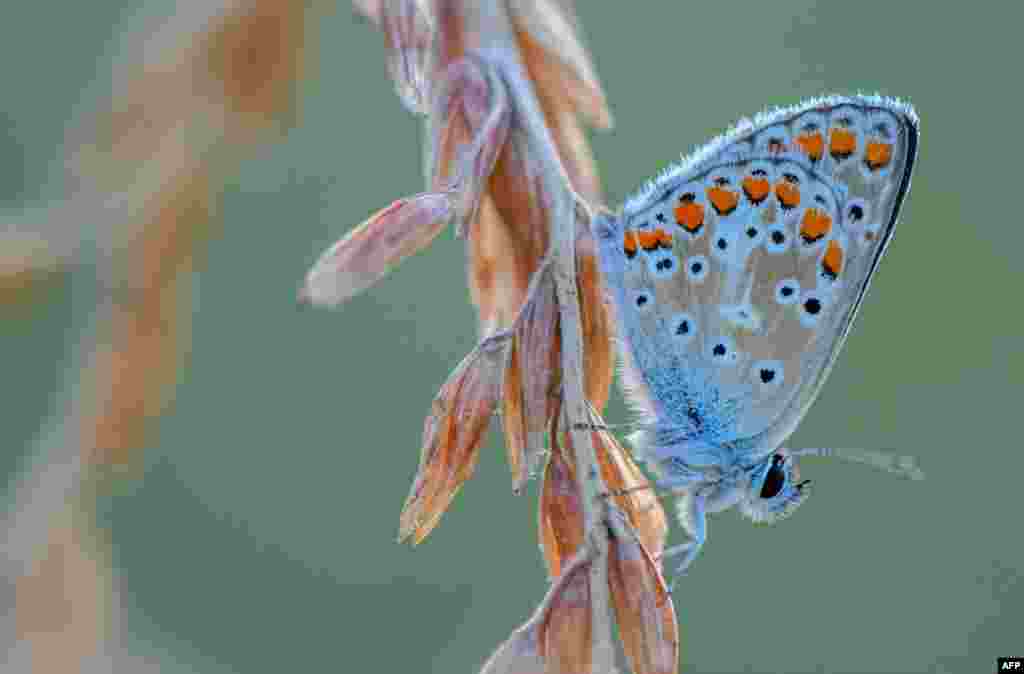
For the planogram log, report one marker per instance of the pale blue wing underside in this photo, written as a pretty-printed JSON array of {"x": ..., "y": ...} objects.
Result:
[{"x": 736, "y": 275}]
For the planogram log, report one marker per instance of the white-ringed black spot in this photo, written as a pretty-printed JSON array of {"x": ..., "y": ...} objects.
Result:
[
  {"x": 787, "y": 291},
  {"x": 767, "y": 375},
  {"x": 643, "y": 299},
  {"x": 812, "y": 308},
  {"x": 697, "y": 268},
  {"x": 777, "y": 241},
  {"x": 723, "y": 351},
  {"x": 683, "y": 327},
  {"x": 856, "y": 211}
]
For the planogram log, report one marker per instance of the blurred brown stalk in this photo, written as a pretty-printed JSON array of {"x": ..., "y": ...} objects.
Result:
[
  {"x": 219, "y": 80},
  {"x": 504, "y": 86}
]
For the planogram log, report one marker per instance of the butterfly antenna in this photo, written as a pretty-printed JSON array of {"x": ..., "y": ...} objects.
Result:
[{"x": 901, "y": 465}]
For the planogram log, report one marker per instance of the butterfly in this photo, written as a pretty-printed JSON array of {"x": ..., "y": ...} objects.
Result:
[{"x": 735, "y": 278}]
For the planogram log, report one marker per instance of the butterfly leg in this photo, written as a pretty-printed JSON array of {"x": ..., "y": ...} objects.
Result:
[{"x": 693, "y": 519}]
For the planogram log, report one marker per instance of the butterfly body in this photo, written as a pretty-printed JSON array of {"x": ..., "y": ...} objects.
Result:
[{"x": 735, "y": 278}]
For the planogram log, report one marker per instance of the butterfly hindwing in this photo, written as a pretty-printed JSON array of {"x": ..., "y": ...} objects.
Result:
[{"x": 736, "y": 276}]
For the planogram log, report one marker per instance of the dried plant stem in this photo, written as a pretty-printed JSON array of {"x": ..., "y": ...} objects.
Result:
[
  {"x": 588, "y": 474},
  {"x": 575, "y": 406}
]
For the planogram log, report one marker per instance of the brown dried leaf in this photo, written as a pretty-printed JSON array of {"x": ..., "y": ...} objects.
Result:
[
  {"x": 557, "y": 638},
  {"x": 374, "y": 248},
  {"x": 643, "y": 605},
  {"x": 561, "y": 510},
  {"x": 370, "y": 9},
  {"x": 574, "y": 152},
  {"x": 408, "y": 35},
  {"x": 561, "y": 117},
  {"x": 564, "y": 634},
  {"x": 596, "y": 324},
  {"x": 509, "y": 239},
  {"x": 630, "y": 489},
  {"x": 63, "y": 603},
  {"x": 451, "y": 439},
  {"x": 554, "y": 27},
  {"x": 531, "y": 378},
  {"x": 514, "y": 418},
  {"x": 256, "y": 55},
  {"x": 467, "y": 131},
  {"x": 536, "y": 337},
  {"x": 29, "y": 267}
]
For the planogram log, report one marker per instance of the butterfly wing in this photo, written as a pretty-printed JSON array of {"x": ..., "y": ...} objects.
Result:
[{"x": 736, "y": 276}]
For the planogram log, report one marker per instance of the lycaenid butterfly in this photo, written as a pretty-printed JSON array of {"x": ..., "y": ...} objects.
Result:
[{"x": 735, "y": 278}]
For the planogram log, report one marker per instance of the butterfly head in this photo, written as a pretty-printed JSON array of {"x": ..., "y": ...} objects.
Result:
[{"x": 776, "y": 490}]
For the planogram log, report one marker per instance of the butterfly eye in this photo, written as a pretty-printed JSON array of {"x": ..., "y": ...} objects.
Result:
[
  {"x": 697, "y": 268},
  {"x": 787, "y": 291},
  {"x": 775, "y": 479}
]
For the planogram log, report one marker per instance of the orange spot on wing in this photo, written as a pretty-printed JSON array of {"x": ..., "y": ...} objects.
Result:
[
  {"x": 648, "y": 239},
  {"x": 813, "y": 144},
  {"x": 723, "y": 200},
  {"x": 756, "y": 189},
  {"x": 629, "y": 244},
  {"x": 877, "y": 155},
  {"x": 788, "y": 194},
  {"x": 690, "y": 215},
  {"x": 832, "y": 263},
  {"x": 815, "y": 225},
  {"x": 842, "y": 143},
  {"x": 664, "y": 238}
]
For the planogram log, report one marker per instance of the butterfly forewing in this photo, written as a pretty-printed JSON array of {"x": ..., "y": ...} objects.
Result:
[{"x": 737, "y": 274}]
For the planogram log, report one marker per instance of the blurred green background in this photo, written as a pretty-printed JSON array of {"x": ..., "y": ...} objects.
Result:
[{"x": 261, "y": 538}]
